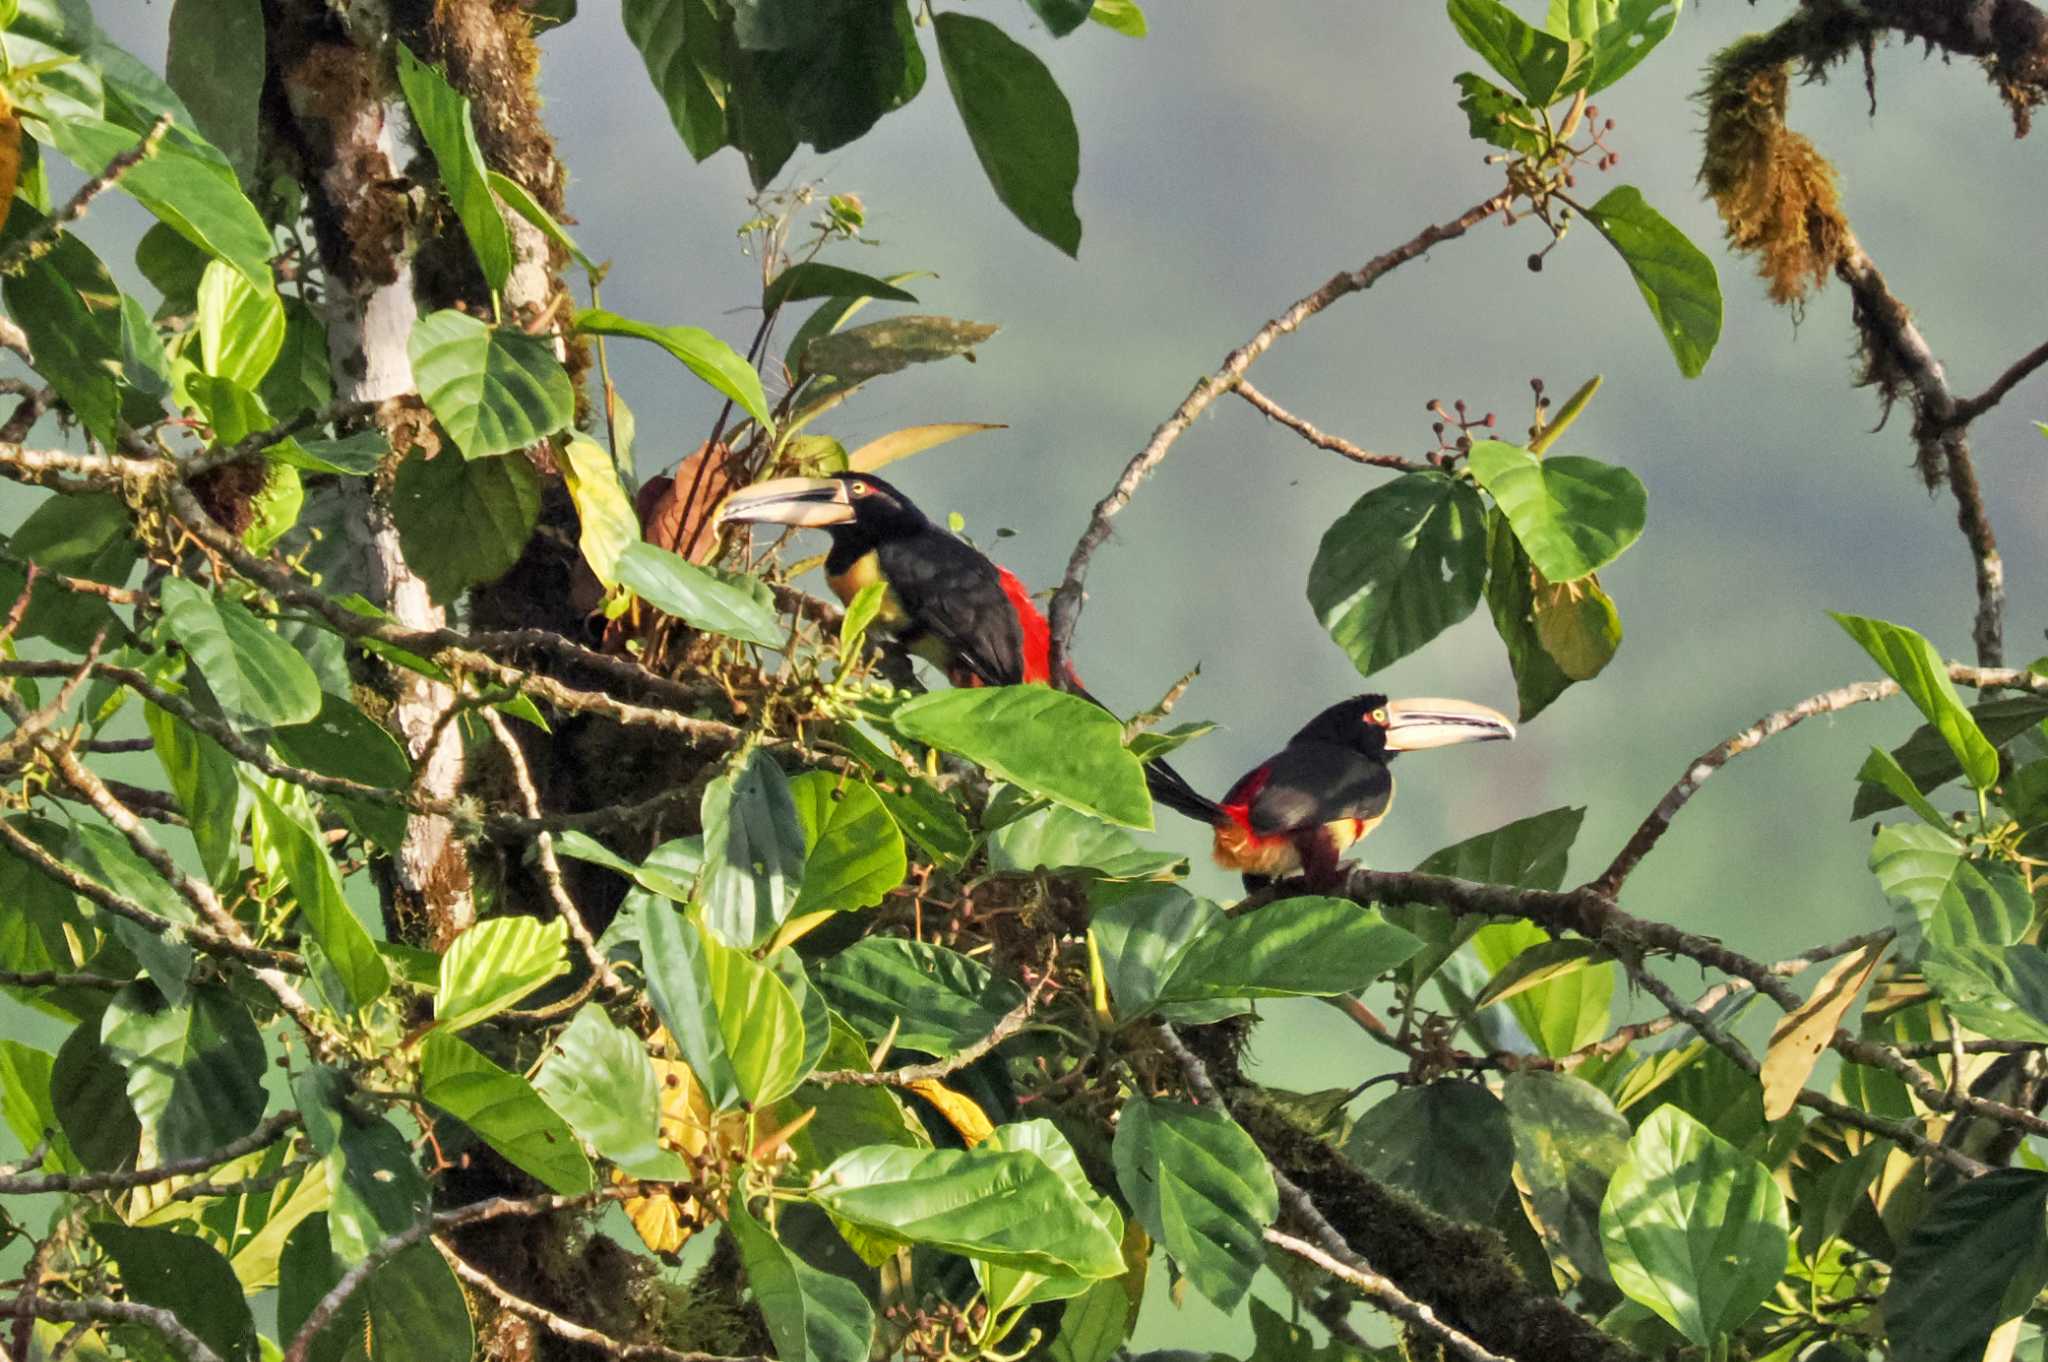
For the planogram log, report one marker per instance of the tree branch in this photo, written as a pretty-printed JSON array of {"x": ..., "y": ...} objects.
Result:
[
  {"x": 1259, "y": 401},
  {"x": 569, "y": 1329},
  {"x": 1970, "y": 408},
  {"x": 1066, "y": 602},
  {"x": 39, "y": 239},
  {"x": 269, "y": 1132},
  {"x": 1012, "y": 1022},
  {"x": 112, "y": 1312}
]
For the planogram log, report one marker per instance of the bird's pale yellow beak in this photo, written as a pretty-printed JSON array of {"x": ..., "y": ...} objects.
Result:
[
  {"x": 810, "y": 502},
  {"x": 1420, "y": 724}
]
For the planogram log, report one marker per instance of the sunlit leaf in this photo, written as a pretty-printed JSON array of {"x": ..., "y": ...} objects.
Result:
[
  {"x": 255, "y": 675},
  {"x": 1573, "y": 516},
  {"x": 1019, "y": 122},
  {"x": 1401, "y": 566},
  {"x": 712, "y": 599},
  {"x": 494, "y": 964},
  {"x": 1046, "y": 741},
  {"x": 504, "y": 1110},
  {"x": 1199, "y": 1186},
  {"x": 493, "y": 389},
  {"x": 1912, "y": 661},
  {"x": 442, "y": 116},
  {"x": 702, "y": 353},
  {"x": 1676, "y": 278}
]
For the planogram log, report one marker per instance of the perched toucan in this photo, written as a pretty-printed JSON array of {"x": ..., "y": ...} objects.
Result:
[
  {"x": 1301, "y": 808},
  {"x": 945, "y": 601}
]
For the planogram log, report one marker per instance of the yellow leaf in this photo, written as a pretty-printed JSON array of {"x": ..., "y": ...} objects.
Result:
[
  {"x": 606, "y": 512},
  {"x": 1803, "y": 1033},
  {"x": 901, "y": 444},
  {"x": 959, "y": 1110},
  {"x": 1577, "y": 624}
]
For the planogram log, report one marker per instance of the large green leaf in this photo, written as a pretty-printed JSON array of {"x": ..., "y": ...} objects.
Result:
[
  {"x": 1000, "y": 1206},
  {"x": 195, "y": 1072},
  {"x": 343, "y": 741},
  {"x": 241, "y": 327},
  {"x": 702, "y": 353},
  {"x": 256, "y": 676},
  {"x": 215, "y": 63},
  {"x": 1297, "y": 947},
  {"x": 1140, "y": 937},
  {"x": 1569, "y": 1140},
  {"x": 1540, "y": 65},
  {"x": 1048, "y": 742},
  {"x": 289, "y": 840},
  {"x": 1019, "y": 122},
  {"x": 27, "y": 1104},
  {"x": 1496, "y": 116},
  {"x": 598, "y": 1077},
  {"x": 1565, "y": 1012},
  {"x": 1573, "y": 516},
  {"x": 1401, "y": 566},
  {"x": 605, "y": 517},
  {"x": 854, "y": 852},
  {"x": 411, "y": 1308},
  {"x": 707, "y": 598},
  {"x": 104, "y": 855},
  {"x": 675, "y": 953},
  {"x": 442, "y": 116},
  {"x": 464, "y": 522},
  {"x": 202, "y": 776},
  {"x": 493, "y": 389},
  {"x": 810, "y": 1314},
  {"x": 77, "y": 349},
  {"x": 877, "y": 348},
  {"x": 1676, "y": 278},
  {"x": 1511, "y": 599},
  {"x": 503, "y": 1109},
  {"x": 89, "y": 1096},
  {"x": 1529, "y": 852},
  {"x": 1620, "y": 32},
  {"x": 1059, "y": 838},
  {"x": 759, "y": 1022},
  {"x": 1695, "y": 1229},
  {"x": 1912, "y": 661},
  {"x": 1978, "y": 1257},
  {"x": 1941, "y": 896},
  {"x": 933, "y": 999},
  {"x": 2000, "y": 991},
  {"x": 816, "y": 279},
  {"x": 683, "y": 47},
  {"x": 187, "y": 1276},
  {"x": 494, "y": 964},
  {"x": 187, "y": 184},
  {"x": 1447, "y": 1144},
  {"x": 1930, "y": 762},
  {"x": 753, "y": 851},
  {"x": 1200, "y": 1187}
]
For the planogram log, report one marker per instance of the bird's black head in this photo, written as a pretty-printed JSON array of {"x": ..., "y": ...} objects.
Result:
[
  {"x": 857, "y": 509},
  {"x": 1378, "y": 727}
]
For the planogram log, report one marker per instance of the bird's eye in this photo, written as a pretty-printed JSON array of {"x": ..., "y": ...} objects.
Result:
[
  {"x": 859, "y": 489},
  {"x": 1378, "y": 716}
]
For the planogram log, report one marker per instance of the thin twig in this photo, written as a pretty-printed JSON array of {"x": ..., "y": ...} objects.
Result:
[
  {"x": 1012, "y": 1022},
  {"x": 43, "y": 236},
  {"x": 569, "y": 1329},
  {"x": 95, "y": 1311},
  {"x": 269, "y": 1132},
  {"x": 1066, "y": 602},
  {"x": 1970, "y": 408},
  {"x": 51, "y": 978},
  {"x": 1335, "y": 444}
]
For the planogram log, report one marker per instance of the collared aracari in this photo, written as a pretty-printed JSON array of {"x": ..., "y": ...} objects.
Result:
[
  {"x": 1299, "y": 810},
  {"x": 945, "y": 601}
]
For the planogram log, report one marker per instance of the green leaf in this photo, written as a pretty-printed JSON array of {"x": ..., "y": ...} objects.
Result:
[
  {"x": 598, "y": 1077},
  {"x": 290, "y": 840},
  {"x": 298, "y": 381},
  {"x": 1297, "y": 947},
  {"x": 195, "y": 1072},
  {"x": 2000, "y": 991},
  {"x": 1529, "y": 852},
  {"x": 1975, "y": 1259},
  {"x": 1569, "y": 1140},
  {"x": 464, "y": 522},
  {"x": 442, "y": 117},
  {"x": 504, "y": 1110},
  {"x": 759, "y": 1022},
  {"x": 604, "y": 513},
  {"x": 1059, "y": 838},
  {"x": 1621, "y": 33},
  {"x": 493, "y": 389},
  {"x": 810, "y": 1314},
  {"x": 1118, "y": 16},
  {"x": 1577, "y": 624},
  {"x": 1062, "y": 16},
  {"x": 1496, "y": 117},
  {"x": 187, "y": 184},
  {"x": 1695, "y": 1229},
  {"x": 1536, "y": 63},
  {"x": 863, "y": 352},
  {"x": 202, "y": 776},
  {"x": 1677, "y": 278},
  {"x": 241, "y": 327},
  {"x": 1141, "y": 936},
  {"x": 411, "y": 1306},
  {"x": 935, "y": 1000},
  {"x": 1572, "y": 516},
  {"x": 1001, "y": 1206},
  {"x": 1943, "y": 898},
  {"x": 753, "y": 851},
  {"x": 1048, "y": 742},
  {"x": 682, "y": 43},
  {"x": 256, "y": 676},
  {"x": 494, "y": 964},
  {"x": 711, "y": 599},
  {"x": 343, "y": 741},
  {"x": 1882, "y": 769},
  {"x": 676, "y": 955},
  {"x": 63, "y": 301},
  {"x": 1912, "y": 661},
  {"x": 854, "y": 852},
  {"x": 1401, "y": 566},
  {"x": 89, "y": 535},
  {"x": 835, "y": 313},
  {"x": 1511, "y": 598},
  {"x": 1537, "y": 965},
  {"x": 25, "y": 1100},
  {"x": 1927, "y": 758},
  {"x": 1447, "y": 1144},
  {"x": 89, "y": 1095},
  {"x": 815, "y": 279},
  {"x": 925, "y": 813},
  {"x": 519, "y": 201},
  {"x": 187, "y": 1276},
  {"x": 702, "y": 353},
  {"x": 1020, "y": 124},
  {"x": 104, "y": 854},
  {"x": 1094, "y": 1324},
  {"x": 1199, "y": 1186},
  {"x": 1559, "y": 1015}
]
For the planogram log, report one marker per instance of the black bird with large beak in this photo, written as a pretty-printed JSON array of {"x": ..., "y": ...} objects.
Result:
[
  {"x": 944, "y": 599},
  {"x": 1299, "y": 810}
]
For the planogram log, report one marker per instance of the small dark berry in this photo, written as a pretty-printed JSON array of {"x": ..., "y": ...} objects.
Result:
[{"x": 1536, "y": 264}]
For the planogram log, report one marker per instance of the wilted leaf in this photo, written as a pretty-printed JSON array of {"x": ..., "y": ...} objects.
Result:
[{"x": 1803, "y": 1033}]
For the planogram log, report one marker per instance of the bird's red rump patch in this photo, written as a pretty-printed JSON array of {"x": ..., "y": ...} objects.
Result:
[
  {"x": 1037, "y": 633},
  {"x": 1238, "y": 803}
]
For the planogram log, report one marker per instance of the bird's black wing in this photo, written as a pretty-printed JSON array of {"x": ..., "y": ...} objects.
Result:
[
  {"x": 953, "y": 593},
  {"x": 1309, "y": 784}
]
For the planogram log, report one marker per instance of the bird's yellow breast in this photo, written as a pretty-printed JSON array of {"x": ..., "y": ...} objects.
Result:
[{"x": 865, "y": 571}]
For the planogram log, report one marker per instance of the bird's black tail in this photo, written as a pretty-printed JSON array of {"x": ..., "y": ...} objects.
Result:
[{"x": 1168, "y": 786}]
